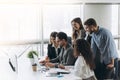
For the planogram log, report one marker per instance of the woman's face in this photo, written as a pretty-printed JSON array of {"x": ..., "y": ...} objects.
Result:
[
  {"x": 52, "y": 40},
  {"x": 75, "y": 25}
]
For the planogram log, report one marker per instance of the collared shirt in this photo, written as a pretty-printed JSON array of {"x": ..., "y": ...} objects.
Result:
[
  {"x": 103, "y": 41},
  {"x": 66, "y": 56}
]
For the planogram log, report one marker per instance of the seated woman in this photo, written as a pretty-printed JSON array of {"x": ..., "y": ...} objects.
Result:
[
  {"x": 85, "y": 63},
  {"x": 53, "y": 47}
]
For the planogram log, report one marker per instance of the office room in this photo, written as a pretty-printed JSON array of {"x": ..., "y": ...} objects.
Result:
[{"x": 60, "y": 39}]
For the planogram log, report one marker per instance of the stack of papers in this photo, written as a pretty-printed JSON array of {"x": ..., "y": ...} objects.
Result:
[
  {"x": 56, "y": 71},
  {"x": 62, "y": 71}
]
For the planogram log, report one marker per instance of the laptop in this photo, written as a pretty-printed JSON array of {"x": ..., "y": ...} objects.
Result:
[{"x": 40, "y": 66}]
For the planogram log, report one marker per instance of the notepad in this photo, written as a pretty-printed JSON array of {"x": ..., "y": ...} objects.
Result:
[
  {"x": 56, "y": 71},
  {"x": 62, "y": 71}
]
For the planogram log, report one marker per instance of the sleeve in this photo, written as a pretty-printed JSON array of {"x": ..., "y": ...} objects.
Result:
[
  {"x": 70, "y": 59},
  {"x": 96, "y": 52},
  {"x": 78, "y": 67},
  {"x": 55, "y": 60},
  {"x": 93, "y": 47},
  {"x": 107, "y": 47}
]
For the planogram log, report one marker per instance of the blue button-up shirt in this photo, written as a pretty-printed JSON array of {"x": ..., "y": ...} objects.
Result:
[{"x": 103, "y": 41}]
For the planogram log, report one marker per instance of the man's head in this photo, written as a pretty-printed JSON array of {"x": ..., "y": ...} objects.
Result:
[
  {"x": 61, "y": 38},
  {"x": 90, "y": 25}
]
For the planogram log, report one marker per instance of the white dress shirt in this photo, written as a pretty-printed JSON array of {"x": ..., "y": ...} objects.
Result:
[{"x": 81, "y": 69}]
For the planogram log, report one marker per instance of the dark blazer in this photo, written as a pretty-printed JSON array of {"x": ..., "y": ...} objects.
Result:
[
  {"x": 83, "y": 35},
  {"x": 65, "y": 57},
  {"x": 51, "y": 52},
  {"x": 89, "y": 39}
]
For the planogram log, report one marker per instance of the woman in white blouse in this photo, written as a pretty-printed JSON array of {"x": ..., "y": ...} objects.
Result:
[{"x": 85, "y": 63}]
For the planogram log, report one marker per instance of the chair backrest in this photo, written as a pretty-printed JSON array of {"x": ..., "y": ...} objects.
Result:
[{"x": 69, "y": 40}]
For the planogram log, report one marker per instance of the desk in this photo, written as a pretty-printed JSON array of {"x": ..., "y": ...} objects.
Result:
[{"x": 26, "y": 73}]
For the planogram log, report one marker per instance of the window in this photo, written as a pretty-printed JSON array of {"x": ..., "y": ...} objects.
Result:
[
  {"x": 58, "y": 18},
  {"x": 18, "y": 22}
]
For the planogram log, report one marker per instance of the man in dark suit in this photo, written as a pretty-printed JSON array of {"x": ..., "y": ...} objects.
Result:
[{"x": 66, "y": 55}]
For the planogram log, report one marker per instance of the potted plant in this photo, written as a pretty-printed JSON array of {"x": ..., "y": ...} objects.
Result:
[{"x": 31, "y": 57}]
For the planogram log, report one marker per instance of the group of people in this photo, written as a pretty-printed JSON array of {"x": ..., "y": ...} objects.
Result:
[{"x": 92, "y": 51}]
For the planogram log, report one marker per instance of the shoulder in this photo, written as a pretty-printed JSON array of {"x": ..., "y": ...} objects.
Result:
[
  {"x": 80, "y": 61},
  {"x": 105, "y": 31},
  {"x": 107, "y": 34},
  {"x": 49, "y": 44},
  {"x": 80, "y": 58},
  {"x": 69, "y": 48},
  {"x": 82, "y": 31}
]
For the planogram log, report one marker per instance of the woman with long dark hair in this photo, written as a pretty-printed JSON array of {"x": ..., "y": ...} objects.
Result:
[{"x": 85, "y": 62}]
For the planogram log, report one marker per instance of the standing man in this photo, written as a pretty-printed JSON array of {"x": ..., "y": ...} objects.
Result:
[{"x": 103, "y": 46}]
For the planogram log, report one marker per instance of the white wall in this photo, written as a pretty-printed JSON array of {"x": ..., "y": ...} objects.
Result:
[
  {"x": 101, "y": 13},
  {"x": 59, "y": 1}
]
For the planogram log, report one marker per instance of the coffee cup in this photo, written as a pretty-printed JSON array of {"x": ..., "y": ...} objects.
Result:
[{"x": 34, "y": 67}]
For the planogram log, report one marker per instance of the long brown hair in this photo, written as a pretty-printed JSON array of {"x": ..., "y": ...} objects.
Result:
[
  {"x": 77, "y": 20},
  {"x": 53, "y": 34},
  {"x": 82, "y": 47}
]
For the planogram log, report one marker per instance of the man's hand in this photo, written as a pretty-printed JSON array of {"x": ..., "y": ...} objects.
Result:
[
  {"x": 50, "y": 65},
  {"x": 109, "y": 66},
  {"x": 47, "y": 59},
  {"x": 44, "y": 62},
  {"x": 61, "y": 66}
]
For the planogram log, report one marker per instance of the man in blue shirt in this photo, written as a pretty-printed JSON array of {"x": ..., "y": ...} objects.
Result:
[{"x": 103, "y": 46}]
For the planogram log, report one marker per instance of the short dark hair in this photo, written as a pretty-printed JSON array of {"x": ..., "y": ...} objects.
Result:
[
  {"x": 53, "y": 34},
  {"x": 90, "y": 22},
  {"x": 62, "y": 35}
]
